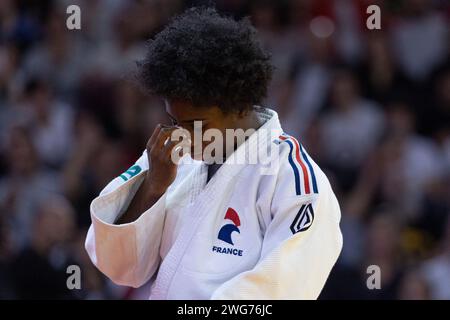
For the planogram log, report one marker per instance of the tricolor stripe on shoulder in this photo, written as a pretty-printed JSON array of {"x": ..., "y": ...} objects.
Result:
[{"x": 298, "y": 158}]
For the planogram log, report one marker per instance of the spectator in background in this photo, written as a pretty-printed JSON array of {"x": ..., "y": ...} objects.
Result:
[
  {"x": 435, "y": 118},
  {"x": 348, "y": 16},
  {"x": 380, "y": 77},
  {"x": 383, "y": 249},
  {"x": 310, "y": 77},
  {"x": 349, "y": 128},
  {"x": 271, "y": 19},
  {"x": 9, "y": 65},
  {"x": 11, "y": 112},
  {"x": 410, "y": 162},
  {"x": 24, "y": 184},
  {"x": 59, "y": 57},
  {"x": 420, "y": 39},
  {"x": 399, "y": 170},
  {"x": 39, "y": 271},
  {"x": 50, "y": 122},
  {"x": 116, "y": 58},
  {"x": 95, "y": 160},
  {"x": 433, "y": 211},
  {"x": 437, "y": 269}
]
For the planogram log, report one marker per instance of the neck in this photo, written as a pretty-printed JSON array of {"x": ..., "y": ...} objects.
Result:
[{"x": 253, "y": 119}]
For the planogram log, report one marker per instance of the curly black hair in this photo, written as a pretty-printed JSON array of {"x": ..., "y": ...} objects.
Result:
[{"x": 207, "y": 59}]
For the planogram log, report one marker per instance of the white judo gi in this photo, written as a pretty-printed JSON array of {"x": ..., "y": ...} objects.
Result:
[{"x": 242, "y": 235}]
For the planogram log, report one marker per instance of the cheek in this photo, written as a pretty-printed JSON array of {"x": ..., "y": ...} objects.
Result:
[
  {"x": 196, "y": 141},
  {"x": 198, "y": 145}
]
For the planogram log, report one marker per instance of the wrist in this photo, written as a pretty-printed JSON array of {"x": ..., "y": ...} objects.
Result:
[{"x": 152, "y": 188}]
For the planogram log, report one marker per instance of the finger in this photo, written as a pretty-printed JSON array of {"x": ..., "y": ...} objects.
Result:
[
  {"x": 173, "y": 151},
  {"x": 154, "y": 135},
  {"x": 163, "y": 136},
  {"x": 178, "y": 137},
  {"x": 171, "y": 145}
]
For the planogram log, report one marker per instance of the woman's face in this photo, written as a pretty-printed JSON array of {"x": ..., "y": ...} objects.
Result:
[{"x": 201, "y": 119}]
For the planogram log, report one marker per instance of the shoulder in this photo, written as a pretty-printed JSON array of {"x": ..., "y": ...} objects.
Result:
[{"x": 298, "y": 173}]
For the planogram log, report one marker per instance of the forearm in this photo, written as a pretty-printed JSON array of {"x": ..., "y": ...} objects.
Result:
[{"x": 146, "y": 196}]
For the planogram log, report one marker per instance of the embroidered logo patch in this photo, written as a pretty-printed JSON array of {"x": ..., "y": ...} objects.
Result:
[
  {"x": 226, "y": 231},
  {"x": 131, "y": 172},
  {"x": 304, "y": 219}
]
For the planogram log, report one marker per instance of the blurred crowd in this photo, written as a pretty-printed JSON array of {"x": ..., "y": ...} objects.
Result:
[{"x": 371, "y": 106}]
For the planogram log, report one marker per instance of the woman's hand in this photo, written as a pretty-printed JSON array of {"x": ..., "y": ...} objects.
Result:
[{"x": 160, "y": 175}]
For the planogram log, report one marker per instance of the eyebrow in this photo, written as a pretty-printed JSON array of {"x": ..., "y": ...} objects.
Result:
[{"x": 184, "y": 121}]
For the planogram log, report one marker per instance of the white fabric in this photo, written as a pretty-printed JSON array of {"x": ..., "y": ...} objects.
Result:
[{"x": 173, "y": 241}]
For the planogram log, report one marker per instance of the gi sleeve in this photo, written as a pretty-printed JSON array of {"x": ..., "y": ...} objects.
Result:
[
  {"x": 301, "y": 244},
  {"x": 128, "y": 254}
]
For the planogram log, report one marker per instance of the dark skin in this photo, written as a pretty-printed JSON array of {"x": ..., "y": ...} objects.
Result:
[{"x": 162, "y": 171}]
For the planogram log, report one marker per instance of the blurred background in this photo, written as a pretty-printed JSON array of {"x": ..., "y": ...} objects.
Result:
[{"x": 371, "y": 106}]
